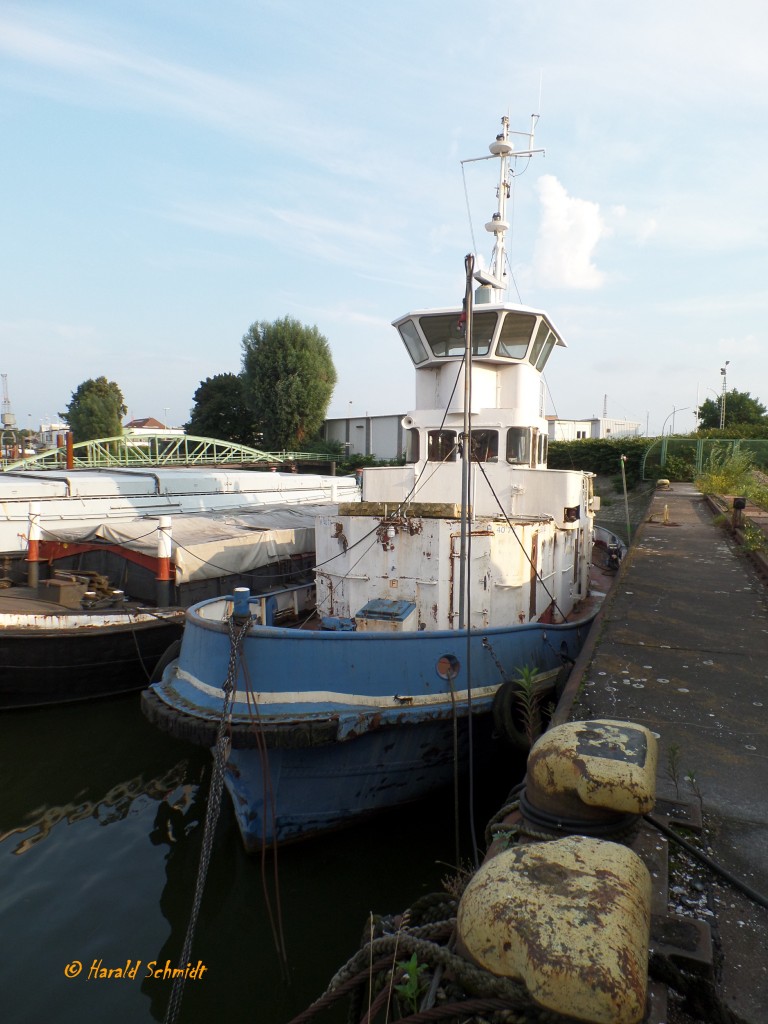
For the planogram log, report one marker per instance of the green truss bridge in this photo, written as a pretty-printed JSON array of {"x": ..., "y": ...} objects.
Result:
[{"x": 159, "y": 449}]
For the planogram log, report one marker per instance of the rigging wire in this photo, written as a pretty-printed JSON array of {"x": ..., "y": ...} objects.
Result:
[
  {"x": 269, "y": 803},
  {"x": 539, "y": 577},
  {"x": 237, "y": 634},
  {"x": 469, "y": 211}
]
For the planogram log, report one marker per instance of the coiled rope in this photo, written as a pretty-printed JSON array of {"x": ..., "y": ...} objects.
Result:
[{"x": 459, "y": 990}]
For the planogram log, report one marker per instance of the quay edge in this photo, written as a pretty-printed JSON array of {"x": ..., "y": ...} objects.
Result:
[{"x": 681, "y": 647}]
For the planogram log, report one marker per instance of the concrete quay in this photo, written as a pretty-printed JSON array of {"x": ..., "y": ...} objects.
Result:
[{"x": 681, "y": 647}]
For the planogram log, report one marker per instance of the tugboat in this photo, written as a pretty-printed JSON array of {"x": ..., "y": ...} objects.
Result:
[{"x": 458, "y": 574}]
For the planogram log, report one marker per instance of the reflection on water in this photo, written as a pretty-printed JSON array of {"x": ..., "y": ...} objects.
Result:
[
  {"x": 106, "y": 896},
  {"x": 112, "y": 807}
]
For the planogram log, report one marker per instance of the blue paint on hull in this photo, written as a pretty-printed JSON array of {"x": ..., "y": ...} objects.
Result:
[
  {"x": 298, "y": 793},
  {"x": 341, "y": 730}
]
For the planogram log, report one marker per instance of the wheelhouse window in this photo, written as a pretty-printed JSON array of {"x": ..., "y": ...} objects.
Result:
[
  {"x": 485, "y": 446},
  {"x": 542, "y": 347},
  {"x": 483, "y": 327},
  {"x": 445, "y": 333},
  {"x": 412, "y": 448},
  {"x": 519, "y": 446},
  {"x": 549, "y": 344},
  {"x": 441, "y": 446},
  {"x": 515, "y": 334},
  {"x": 413, "y": 342},
  {"x": 543, "y": 449}
]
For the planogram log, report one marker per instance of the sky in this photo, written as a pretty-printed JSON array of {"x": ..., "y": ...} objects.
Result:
[{"x": 173, "y": 172}]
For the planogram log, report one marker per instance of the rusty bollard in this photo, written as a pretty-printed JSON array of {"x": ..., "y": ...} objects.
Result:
[{"x": 739, "y": 504}]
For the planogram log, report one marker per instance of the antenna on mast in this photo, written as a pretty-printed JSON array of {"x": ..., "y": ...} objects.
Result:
[{"x": 504, "y": 151}]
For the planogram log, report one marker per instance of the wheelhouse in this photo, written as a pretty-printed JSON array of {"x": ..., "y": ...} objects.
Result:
[{"x": 502, "y": 335}]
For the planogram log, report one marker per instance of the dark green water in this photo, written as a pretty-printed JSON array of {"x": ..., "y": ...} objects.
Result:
[{"x": 100, "y": 833}]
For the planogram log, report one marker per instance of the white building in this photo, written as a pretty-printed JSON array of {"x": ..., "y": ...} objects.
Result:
[
  {"x": 149, "y": 425},
  {"x": 52, "y": 435},
  {"x": 382, "y": 436},
  {"x": 602, "y": 427}
]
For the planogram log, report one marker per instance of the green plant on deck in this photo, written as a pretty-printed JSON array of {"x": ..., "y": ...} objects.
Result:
[
  {"x": 690, "y": 778},
  {"x": 456, "y": 882},
  {"x": 529, "y": 700},
  {"x": 410, "y": 987},
  {"x": 672, "y": 769}
]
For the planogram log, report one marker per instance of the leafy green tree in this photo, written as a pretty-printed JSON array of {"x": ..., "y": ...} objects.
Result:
[
  {"x": 288, "y": 377},
  {"x": 95, "y": 410},
  {"x": 740, "y": 407},
  {"x": 220, "y": 410}
]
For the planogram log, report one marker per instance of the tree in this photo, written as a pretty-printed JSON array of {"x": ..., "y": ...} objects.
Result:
[
  {"x": 288, "y": 380},
  {"x": 95, "y": 410},
  {"x": 740, "y": 407},
  {"x": 220, "y": 410}
]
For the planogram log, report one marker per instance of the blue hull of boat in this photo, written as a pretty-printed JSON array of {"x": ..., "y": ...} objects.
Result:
[
  {"x": 302, "y": 793},
  {"x": 330, "y": 726}
]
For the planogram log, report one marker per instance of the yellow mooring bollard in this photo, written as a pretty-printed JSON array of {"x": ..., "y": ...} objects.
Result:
[
  {"x": 595, "y": 771},
  {"x": 570, "y": 919}
]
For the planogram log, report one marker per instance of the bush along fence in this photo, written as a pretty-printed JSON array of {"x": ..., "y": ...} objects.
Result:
[
  {"x": 684, "y": 458},
  {"x": 677, "y": 458},
  {"x": 602, "y": 457}
]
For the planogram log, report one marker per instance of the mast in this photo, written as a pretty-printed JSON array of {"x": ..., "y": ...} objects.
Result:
[
  {"x": 503, "y": 150},
  {"x": 495, "y": 281},
  {"x": 466, "y": 447},
  {"x": 498, "y": 225}
]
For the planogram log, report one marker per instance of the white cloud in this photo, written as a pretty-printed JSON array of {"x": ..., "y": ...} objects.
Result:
[
  {"x": 638, "y": 227},
  {"x": 568, "y": 236},
  {"x": 59, "y": 60}
]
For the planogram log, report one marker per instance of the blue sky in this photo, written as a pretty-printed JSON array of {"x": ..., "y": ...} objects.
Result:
[{"x": 172, "y": 172}]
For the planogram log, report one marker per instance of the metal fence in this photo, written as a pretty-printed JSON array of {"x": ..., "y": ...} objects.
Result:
[{"x": 692, "y": 456}]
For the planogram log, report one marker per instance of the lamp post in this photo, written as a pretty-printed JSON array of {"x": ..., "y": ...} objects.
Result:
[
  {"x": 722, "y": 398},
  {"x": 697, "y": 410},
  {"x": 671, "y": 416}
]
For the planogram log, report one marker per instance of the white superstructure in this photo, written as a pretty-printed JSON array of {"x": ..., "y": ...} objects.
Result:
[{"x": 83, "y": 497}]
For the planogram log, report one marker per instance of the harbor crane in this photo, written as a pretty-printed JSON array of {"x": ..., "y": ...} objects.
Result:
[
  {"x": 8, "y": 436},
  {"x": 8, "y": 419}
]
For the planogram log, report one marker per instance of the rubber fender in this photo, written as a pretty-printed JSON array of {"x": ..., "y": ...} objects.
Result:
[{"x": 509, "y": 717}]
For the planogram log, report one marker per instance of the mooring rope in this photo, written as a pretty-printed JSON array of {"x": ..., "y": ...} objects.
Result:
[
  {"x": 238, "y": 627},
  {"x": 470, "y": 989}
]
